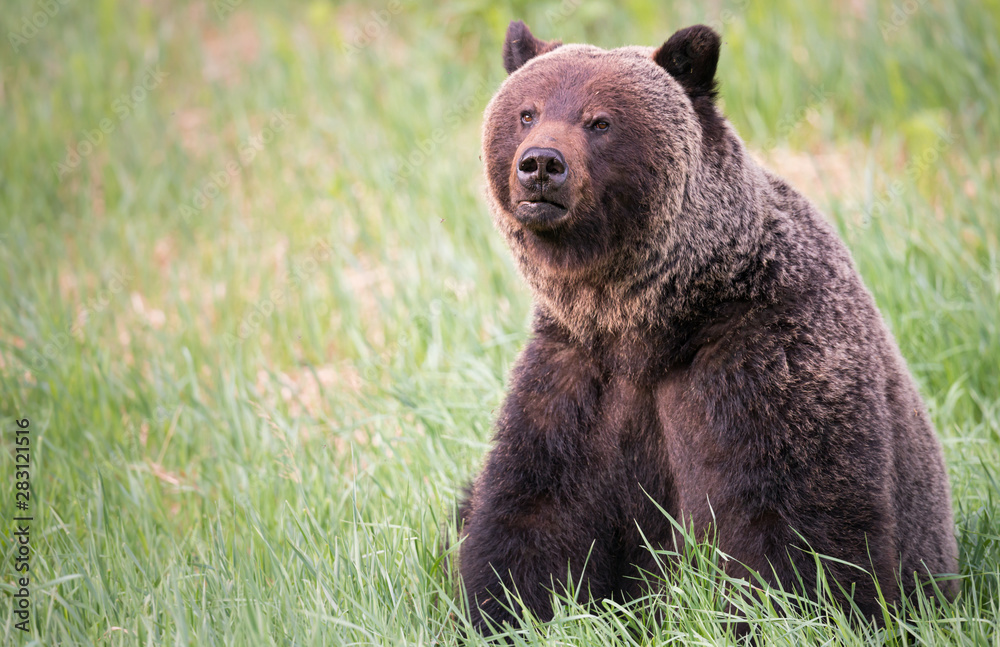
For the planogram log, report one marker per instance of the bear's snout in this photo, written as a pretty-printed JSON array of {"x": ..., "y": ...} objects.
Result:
[
  {"x": 539, "y": 167},
  {"x": 541, "y": 194}
]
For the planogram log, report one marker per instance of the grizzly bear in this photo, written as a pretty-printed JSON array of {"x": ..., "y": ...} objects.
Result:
[{"x": 701, "y": 343}]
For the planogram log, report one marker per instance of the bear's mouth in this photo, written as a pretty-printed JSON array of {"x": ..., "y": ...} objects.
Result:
[
  {"x": 540, "y": 215},
  {"x": 543, "y": 201}
]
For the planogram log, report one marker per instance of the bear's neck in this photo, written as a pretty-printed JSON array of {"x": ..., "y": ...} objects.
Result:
[{"x": 705, "y": 261}]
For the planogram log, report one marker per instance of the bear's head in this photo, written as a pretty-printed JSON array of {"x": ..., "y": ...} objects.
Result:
[{"x": 590, "y": 154}]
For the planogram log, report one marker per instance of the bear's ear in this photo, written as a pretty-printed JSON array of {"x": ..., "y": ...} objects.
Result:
[
  {"x": 521, "y": 46},
  {"x": 690, "y": 56}
]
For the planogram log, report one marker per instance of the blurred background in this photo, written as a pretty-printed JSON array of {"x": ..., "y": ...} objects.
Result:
[{"x": 254, "y": 306}]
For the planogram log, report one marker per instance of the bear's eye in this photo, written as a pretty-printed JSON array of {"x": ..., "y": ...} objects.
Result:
[
  {"x": 601, "y": 124},
  {"x": 527, "y": 118}
]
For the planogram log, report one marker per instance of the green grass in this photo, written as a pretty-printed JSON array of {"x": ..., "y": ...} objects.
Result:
[{"x": 252, "y": 413}]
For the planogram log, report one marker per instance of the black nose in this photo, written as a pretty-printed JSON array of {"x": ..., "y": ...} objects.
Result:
[{"x": 540, "y": 165}]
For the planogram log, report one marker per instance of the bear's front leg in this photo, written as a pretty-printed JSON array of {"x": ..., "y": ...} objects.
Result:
[{"x": 539, "y": 510}]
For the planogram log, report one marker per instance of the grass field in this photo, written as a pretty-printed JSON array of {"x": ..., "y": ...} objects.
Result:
[{"x": 254, "y": 308}]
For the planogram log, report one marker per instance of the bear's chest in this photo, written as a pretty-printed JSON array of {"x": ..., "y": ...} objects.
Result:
[{"x": 629, "y": 444}]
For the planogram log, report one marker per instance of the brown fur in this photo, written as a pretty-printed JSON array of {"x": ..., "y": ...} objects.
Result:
[{"x": 701, "y": 336}]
